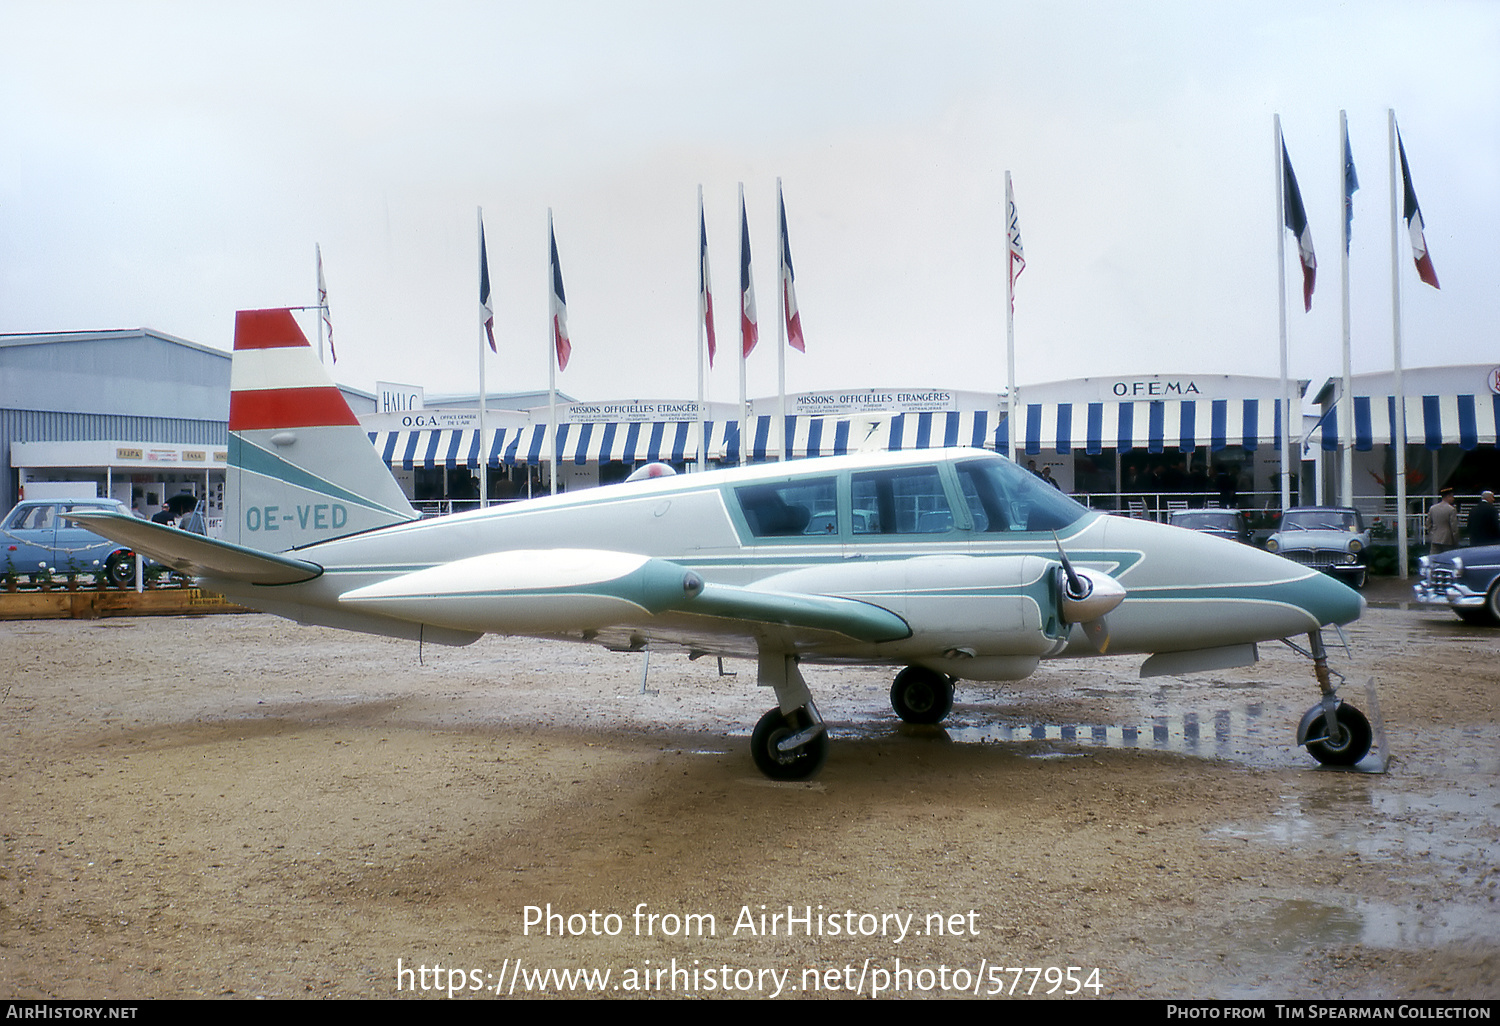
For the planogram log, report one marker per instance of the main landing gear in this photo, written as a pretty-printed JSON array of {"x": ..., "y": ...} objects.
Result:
[
  {"x": 790, "y": 742},
  {"x": 1333, "y": 731},
  {"x": 920, "y": 695},
  {"x": 789, "y": 746}
]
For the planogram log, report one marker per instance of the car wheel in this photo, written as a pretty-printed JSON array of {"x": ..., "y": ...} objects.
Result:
[
  {"x": 119, "y": 569},
  {"x": 1492, "y": 603}
]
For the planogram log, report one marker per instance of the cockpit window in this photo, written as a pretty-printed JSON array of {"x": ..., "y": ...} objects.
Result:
[
  {"x": 789, "y": 508},
  {"x": 906, "y": 500},
  {"x": 1003, "y": 497}
]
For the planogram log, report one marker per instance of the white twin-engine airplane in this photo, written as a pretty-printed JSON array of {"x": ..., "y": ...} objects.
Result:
[{"x": 954, "y": 564}]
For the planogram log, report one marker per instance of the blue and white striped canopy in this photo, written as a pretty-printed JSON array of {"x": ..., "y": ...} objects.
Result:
[
  {"x": 1156, "y": 425},
  {"x": 668, "y": 441},
  {"x": 1433, "y": 421}
]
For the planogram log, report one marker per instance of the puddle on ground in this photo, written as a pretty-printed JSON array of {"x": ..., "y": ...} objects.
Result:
[{"x": 1252, "y": 735}]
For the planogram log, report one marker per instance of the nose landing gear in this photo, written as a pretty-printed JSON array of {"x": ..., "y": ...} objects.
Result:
[{"x": 1333, "y": 731}]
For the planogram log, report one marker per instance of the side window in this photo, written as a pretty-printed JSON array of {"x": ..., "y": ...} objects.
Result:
[
  {"x": 908, "y": 500},
  {"x": 790, "y": 508},
  {"x": 39, "y": 520}
]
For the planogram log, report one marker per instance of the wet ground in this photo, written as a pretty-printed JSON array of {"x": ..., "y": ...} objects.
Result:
[{"x": 239, "y": 806}]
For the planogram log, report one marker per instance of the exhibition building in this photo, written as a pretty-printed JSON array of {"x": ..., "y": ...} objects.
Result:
[{"x": 141, "y": 416}]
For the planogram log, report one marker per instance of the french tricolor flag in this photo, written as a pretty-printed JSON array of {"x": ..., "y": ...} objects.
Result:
[
  {"x": 705, "y": 289},
  {"x": 560, "y": 340},
  {"x": 749, "y": 333},
  {"x": 1296, "y": 221},
  {"x": 1413, "y": 215},
  {"x": 788, "y": 284}
]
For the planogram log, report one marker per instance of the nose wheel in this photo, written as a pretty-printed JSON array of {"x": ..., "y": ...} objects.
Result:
[{"x": 1344, "y": 744}]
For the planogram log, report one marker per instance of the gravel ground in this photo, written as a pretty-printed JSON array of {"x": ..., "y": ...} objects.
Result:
[{"x": 237, "y": 806}]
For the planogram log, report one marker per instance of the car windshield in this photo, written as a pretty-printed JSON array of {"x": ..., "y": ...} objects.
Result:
[
  {"x": 1207, "y": 520},
  {"x": 1320, "y": 520}
]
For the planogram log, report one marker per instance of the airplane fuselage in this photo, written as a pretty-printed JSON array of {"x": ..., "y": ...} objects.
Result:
[{"x": 960, "y": 544}]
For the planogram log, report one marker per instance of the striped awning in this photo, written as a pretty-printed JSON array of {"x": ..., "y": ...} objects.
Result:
[
  {"x": 677, "y": 441},
  {"x": 1467, "y": 421},
  {"x": 669, "y": 441},
  {"x": 1156, "y": 425},
  {"x": 838, "y": 436}
]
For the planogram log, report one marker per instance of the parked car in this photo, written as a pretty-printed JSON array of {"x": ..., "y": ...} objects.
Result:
[
  {"x": 1465, "y": 580},
  {"x": 36, "y": 537},
  {"x": 1333, "y": 539},
  {"x": 1223, "y": 523}
]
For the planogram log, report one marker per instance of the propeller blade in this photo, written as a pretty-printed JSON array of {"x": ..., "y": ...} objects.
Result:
[
  {"x": 1097, "y": 631},
  {"x": 1078, "y": 588}
]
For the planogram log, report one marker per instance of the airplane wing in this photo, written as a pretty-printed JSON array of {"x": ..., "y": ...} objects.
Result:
[
  {"x": 196, "y": 555},
  {"x": 567, "y": 591}
]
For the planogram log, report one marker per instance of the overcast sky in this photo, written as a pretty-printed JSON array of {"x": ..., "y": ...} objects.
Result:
[{"x": 164, "y": 164}]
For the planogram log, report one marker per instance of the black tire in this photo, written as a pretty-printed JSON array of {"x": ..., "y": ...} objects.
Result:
[
  {"x": 1352, "y": 744},
  {"x": 1492, "y": 603},
  {"x": 800, "y": 763},
  {"x": 119, "y": 569},
  {"x": 920, "y": 695}
]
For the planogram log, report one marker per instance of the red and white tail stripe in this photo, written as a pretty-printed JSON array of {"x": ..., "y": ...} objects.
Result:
[{"x": 276, "y": 380}]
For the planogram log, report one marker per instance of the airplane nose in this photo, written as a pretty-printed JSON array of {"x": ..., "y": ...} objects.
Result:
[{"x": 1329, "y": 600}]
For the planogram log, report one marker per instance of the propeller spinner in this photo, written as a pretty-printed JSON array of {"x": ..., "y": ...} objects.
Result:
[{"x": 1087, "y": 595}]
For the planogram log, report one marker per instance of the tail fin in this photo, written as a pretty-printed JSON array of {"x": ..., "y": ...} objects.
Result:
[{"x": 301, "y": 469}]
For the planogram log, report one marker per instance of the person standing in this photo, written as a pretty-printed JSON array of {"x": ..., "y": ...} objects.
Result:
[
  {"x": 1442, "y": 522},
  {"x": 1484, "y": 521}
]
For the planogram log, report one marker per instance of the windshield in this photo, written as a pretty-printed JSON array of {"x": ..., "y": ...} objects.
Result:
[
  {"x": 1206, "y": 520},
  {"x": 1321, "y": 520},
  {"x": 1003, "y": 497}
]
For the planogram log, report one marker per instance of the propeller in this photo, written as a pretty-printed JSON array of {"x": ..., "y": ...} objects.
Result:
[{"x": 1086, "y": 596}]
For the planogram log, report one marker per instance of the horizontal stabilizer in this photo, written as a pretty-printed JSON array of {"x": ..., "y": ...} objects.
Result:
[{"x": 196, "y": 555}]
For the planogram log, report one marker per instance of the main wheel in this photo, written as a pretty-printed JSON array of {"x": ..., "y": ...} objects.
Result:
[
  {"x": 920, "y": 695},
  {"x": 120, "y": 569},
  {"x": 799, "y": 763},
  {"x": 1492, "y": 603},
  {"x": 1351, "y": 744}
]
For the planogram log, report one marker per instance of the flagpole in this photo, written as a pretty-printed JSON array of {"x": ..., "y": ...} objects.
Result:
[
  {"x": 1398, "y": 428},
  {"x": 744, "y": 411},
  {"x": 702, "y": 341},
  {"x": 781, "y": 323},
  {"x": 551, "y": 358},
  {"x": 1286, "y": 407},
  {"x": 484, "y": 470},
  {"x": 1346, "y": 399},
  {"x": 1010, "y": 325},
  {"x": 322, "y": 298}
]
